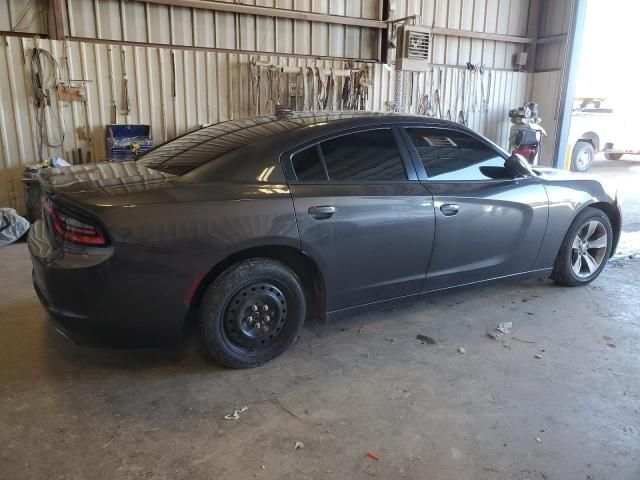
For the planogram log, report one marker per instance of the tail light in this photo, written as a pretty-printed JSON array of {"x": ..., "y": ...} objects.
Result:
[{"x": 70, "y": 227}]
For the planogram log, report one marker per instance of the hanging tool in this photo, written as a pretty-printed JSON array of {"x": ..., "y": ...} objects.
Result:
[
  {"x": 45, "y": 76},
  {"x": 300, "y": 89},
  {"x": 346, "y": 92},
  {"x": 332, "y": 90},
  {"x": 255, "y": 86},
  {"x": 436, "y": 99},
  {"x": 439, "y": 106},
  {"x": 126, "y": 104},
  {"x": 322, "y": 91},
  {"x": 361, "y": 79},
  {"x": 305, "y": 88},
  {"x": 274, "y": 78}
]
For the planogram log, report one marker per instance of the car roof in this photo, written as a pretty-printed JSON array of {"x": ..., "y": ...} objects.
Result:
[{"x": 196, "y": 148}]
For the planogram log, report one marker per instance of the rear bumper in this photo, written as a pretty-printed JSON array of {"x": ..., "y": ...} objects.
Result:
[
  {"x": 67, "y": 323},
  {"x": 120, "y": 296}
]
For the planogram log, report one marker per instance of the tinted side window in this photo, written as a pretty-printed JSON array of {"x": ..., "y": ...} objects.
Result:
[
  {"x": 449, "y": 155},
  {"x": 368, "y": 155},
  {"x": 307, "y": 165}
]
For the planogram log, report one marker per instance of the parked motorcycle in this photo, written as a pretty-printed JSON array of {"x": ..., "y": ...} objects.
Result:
[{"x": 525, "y": 136}]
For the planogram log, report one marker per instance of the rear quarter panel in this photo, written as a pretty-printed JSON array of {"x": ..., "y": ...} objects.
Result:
[
  {"x": 209, "y": 219},
  {"x": 165, "y": 242}
]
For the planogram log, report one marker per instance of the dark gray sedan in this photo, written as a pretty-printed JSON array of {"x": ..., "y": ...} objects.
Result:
[{"x": 254, "y": 225}]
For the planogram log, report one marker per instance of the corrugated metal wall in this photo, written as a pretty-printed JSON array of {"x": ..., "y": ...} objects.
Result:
[
  {"x": 202, "y": 28},
  {"x": 176, "y": 90},
  {"x": 170, "y": 25},
  {"x": 555, "y": 19},
  {"x": 22, "y": 16},
  {"x": 546, "y": 89},
  {"x": 484, "y": 99},
  {"x": 508, "y": 17}
]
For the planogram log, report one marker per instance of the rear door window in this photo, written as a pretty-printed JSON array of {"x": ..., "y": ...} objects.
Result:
[
  {"x": 307, "y": 165},
  {"x": 370, "y": 155}
]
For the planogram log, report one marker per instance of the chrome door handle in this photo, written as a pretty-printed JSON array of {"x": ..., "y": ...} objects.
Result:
[
  {"x": 450, "y": 209},
  {"x": 322, "y": 212}
]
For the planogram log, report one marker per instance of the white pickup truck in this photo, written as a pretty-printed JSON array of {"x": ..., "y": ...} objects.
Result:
[{"x": 596, "y": 129}]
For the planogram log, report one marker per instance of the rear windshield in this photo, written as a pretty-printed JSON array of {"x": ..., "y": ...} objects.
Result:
[{"x": 194, "y": 149}]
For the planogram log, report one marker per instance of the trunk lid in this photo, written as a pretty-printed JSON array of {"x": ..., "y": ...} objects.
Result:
[
  {"x": 73, "y": 197},
  {"x": 104, "y": 179}
]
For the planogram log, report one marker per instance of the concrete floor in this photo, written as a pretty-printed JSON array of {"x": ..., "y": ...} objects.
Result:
[
  {"x": 625, "y": 173},
  {"x": 364, "y": 384}
]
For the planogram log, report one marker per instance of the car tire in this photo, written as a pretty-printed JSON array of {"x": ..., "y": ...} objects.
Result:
[
  {"x": 613, "y": 156},
  {"x": 571, "y": 267},
  {"x": 252, "y": 313},
  {"x": 582, "y": 156}
]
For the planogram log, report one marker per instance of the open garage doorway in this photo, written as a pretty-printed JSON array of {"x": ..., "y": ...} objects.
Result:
[{"x": 603, "y": 138}]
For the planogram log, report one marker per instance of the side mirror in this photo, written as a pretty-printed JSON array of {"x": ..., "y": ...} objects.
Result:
[{"x": 517, "y": 164}]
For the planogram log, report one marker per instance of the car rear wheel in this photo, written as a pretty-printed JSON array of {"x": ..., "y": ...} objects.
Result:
[
  {"x": 582, "y": 156},
  {"x": 252, "y": 313},
  {"x": 585, "y": 249}
]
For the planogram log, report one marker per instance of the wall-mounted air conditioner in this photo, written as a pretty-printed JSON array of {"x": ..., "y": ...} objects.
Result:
[{"x": 414, "y": 48}]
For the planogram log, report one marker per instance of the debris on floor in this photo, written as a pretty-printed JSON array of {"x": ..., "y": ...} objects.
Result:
[
  {"x": 236, "y": 414},
  {"x": 373, "y": 456},
  {"x": 461, "y": 350},
  {"x": 522, "y": 341},
  {"x": 426, "y": 339},
  {"x": 298, "y": 446},
  {"x": 537, "y": 355},
  {"x": 505, "y": 327},
  {"x": 501, "y": 330}
]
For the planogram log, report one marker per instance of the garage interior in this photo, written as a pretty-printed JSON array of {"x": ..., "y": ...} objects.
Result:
[{"x": 557, "y": 397}]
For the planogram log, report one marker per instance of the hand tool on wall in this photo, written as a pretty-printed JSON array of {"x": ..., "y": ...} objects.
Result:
[
  {"x": 255, "y": 86},
  {"x": 45, "y": 75},
  {"x": 126, "y": 103}
]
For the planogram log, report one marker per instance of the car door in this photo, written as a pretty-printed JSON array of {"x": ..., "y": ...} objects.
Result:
[
  {"x": 490, "y": 222},
  {"x": 362, "y": 215}
]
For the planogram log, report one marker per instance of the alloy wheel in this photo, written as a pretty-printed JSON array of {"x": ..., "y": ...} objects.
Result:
[{"x": 589, "y": 249}]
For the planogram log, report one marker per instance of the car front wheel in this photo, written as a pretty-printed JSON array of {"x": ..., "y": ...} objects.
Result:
[
  {"x": 252, "y": 313},
  {"x": 585, "y": 249}
]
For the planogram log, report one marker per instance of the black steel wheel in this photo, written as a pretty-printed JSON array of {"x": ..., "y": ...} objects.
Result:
[
  {"x": 255, "y": 317},
  {"x": 252, "y": 313}
]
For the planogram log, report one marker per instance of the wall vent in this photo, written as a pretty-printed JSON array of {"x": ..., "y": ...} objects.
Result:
[{"x": 414, "y": 48}]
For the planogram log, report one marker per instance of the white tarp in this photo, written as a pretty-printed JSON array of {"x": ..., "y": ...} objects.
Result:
[{"x": 12, "y": 226}]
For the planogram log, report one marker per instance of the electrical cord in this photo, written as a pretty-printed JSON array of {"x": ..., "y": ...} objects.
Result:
[{"x": 45, "y": 76}]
